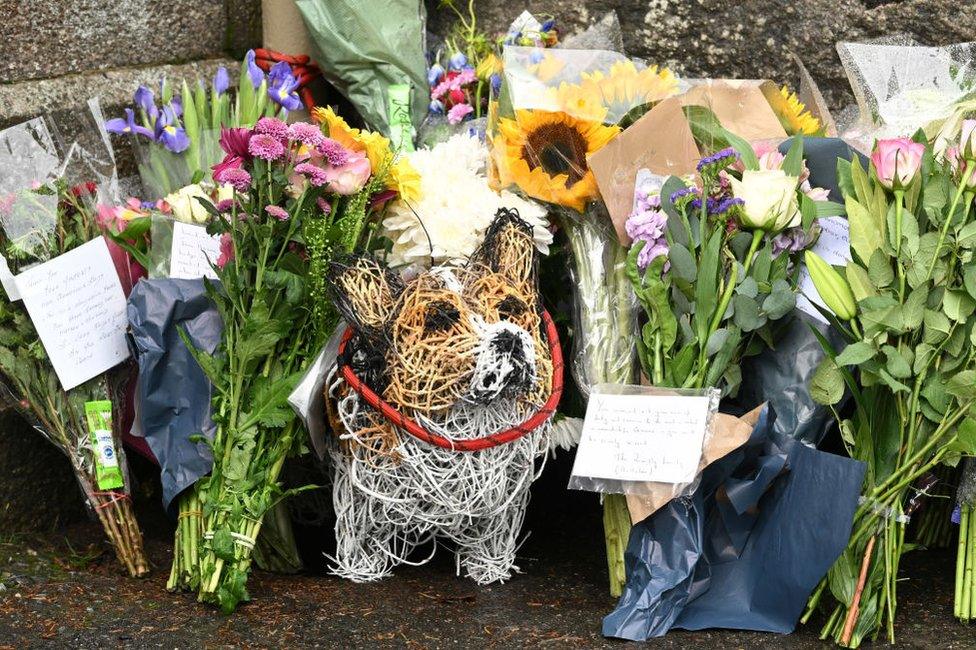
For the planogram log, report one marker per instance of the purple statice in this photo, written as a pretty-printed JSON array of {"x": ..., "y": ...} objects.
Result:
[
  {"x": 716, "y": 206},
  {"x": 127, "y": 124},
  {"x": 272, "y": 126},
  {"x": 684, "y": 195},
  {"x": 277, "y": 212},
  {"x": 308, "y": 134},
  {"x": 315, "y": 174},
  {"x": 790, "y": 240},
  {"x": 457, "y": 61},
  {"x": 335, "y": 153},
  {"x": 266, "y": 147},
  {"x": 718, "y": 160},
  {"x": 436, "y": 107},
  {"x": 283, "y": 86}
]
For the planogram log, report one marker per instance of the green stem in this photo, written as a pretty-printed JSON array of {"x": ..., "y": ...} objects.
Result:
[
  {"x": 948, "y": 222},
  {"x": 899, "y": 207}
]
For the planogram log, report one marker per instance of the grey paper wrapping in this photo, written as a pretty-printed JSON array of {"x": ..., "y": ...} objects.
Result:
[
  {"x": 364, "y": 47},
  {"x": 172, "y": 391},
  {"x": 747, "y": 548}
]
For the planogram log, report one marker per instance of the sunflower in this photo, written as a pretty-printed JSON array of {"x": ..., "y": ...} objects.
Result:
[
  {"x": 625, "y": 87},
  {"x": 544, "y": 153},
  {"x": 791, "y": 112},
  {"x": 400, "y": 174},
  {"x": 582, "y": 101}
]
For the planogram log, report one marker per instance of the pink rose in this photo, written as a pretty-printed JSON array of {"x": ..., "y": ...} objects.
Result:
[
  {"x": 897, "y": 162},
  {"x": 967, "y": 140},
  {"x": 348, "y": 178},
  {"x": 962, "y": 169}
]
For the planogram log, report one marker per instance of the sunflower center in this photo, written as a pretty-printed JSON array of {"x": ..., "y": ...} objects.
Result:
[{"x": 557, "y": 149}]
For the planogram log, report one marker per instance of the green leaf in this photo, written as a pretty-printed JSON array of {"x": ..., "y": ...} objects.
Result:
[
  {"x": 268, "y": 401},
  {"x": 913, "y": 311},
  {"x": 780, "y": 302},
  {"x": 958, "y": 305},
  {"x": 682, "y": 263},
  {"x": 962, "y": 385},
  {"x": 827, "y": 384},
  {"x": 893, "y": 383},
  {"x": 856, "y": 353},
  {"x": 879, "y": 269},
  {"x": 222, "y": 544},
  {"x": 860, "y": 282},
  {"x": 844, "y": 180},
  {"x": 897, "y": 364},
  {"x": 830, "y": 208},
  {"x": 969, "y": 279},
  {"x": 866, "y": 232},
  {"x": 964, "y": 442},
  {"x": 967, "y": 236},
  {"x": 793, "y": 163},
  {"x": 748, "y": 287},
  {"x": 707, "y": 287},
  {"x": 744, "y": 149},
  {"x": 716, "y": 341},
  {"x": 923, "y": 354},
  {"x": 746, "y": 315},
  {"x": 937, "y": 326}
]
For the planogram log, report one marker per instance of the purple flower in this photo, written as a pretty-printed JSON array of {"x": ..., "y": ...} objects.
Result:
[
  {"x": 335, "y": 153},
  {"x": 458, "y": 112},
  {"x": 684, "y": 194},
  {"x": 436, "y": 106},
  {"x": 176, "y": 104},
  {"x": 127, "y": 125},
  {"x": 265, "y": 146},
  {"x": 308, "y": 134},
  {"x": 790, "y": 240},
  {"x": 144, "y": 99},
  {"x": 718, "y": 160},
  {"x": 496, "y": 82},
  {"x": 457, "y": 61},
  {"x": 549, "y": 24},
  {"x": 648, "y": 226},
  {"x": 255, "y": 73},
  {"x": 238, "y": 178},
  {"x": 283, "y": 87},
  {"x": 221, "y": 81},
  {"x": 277, "y": 212},
  {"x": 169, "y": 132},
  {"x": 226, "y": 205},
  {"x": 315, "y": 174},
  {"x": 434, "y": 74},
  {"x": 272, "y": 126},
  {"x": 234, "y": 141}
]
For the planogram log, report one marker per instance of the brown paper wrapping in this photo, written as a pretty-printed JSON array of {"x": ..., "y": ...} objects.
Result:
[{"x": 729, "y": 434}]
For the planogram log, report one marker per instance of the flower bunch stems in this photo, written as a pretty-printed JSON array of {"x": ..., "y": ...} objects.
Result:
[
  {"x": 184, "y": 573},
  {"x": 965, "y": 592}
]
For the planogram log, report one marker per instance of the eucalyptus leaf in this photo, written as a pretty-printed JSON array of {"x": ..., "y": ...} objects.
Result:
[{"x": 827, "y": 383}]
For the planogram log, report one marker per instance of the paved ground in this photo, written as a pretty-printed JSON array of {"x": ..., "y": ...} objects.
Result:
[{"x": 64, "y": 590}]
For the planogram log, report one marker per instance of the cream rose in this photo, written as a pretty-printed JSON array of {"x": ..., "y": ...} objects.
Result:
[
  {"x": 769, "y": 199},
  {"x": 185, "y": 205}
]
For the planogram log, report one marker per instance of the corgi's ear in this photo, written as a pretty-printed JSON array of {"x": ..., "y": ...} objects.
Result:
[
  {"x": 509, "y": 248},
  {"x": 365, "y": 293}
]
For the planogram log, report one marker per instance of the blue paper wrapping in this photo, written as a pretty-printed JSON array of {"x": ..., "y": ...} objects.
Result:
[{"x": 172, "y": 392}]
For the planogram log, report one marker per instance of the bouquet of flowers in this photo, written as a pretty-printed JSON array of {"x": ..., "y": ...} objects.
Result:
[
  {"x": 301, "y": 195},
  {"x": 905, "y": 304},
  {"x": 177, "y": 140},
  {"x": 42, "y": 220}
]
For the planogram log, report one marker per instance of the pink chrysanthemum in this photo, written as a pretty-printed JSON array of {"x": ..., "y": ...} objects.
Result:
[
  {"x": 315, "y": 175},
  {"x": 265, "y": 146},
  {"x": 272, "y": 126},
  {"x": 225, "y": 206},
  {"x": 335, "y": 153},
  {"x": 277, "y": 212},
  {"x": 308, "y": 134},
  {"x": 238, "y": 178}
]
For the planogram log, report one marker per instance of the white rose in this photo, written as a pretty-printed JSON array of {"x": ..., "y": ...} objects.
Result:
[
  {"x": 185, "y": 205},
  {"x": 769, "y": 197}
]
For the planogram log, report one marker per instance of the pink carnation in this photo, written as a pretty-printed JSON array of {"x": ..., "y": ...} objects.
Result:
[
  {"x": 458, "y": 113},
  {"x": 315, "y": 175},
  {"x": 308, "y": 134},
  {"x": 272, "y": 126},
  {"x": 277, "y": 212},
  {"x": 266, "y": 146}
]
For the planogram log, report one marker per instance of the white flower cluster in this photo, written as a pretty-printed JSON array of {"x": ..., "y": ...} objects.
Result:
[{"x": 456, "y": 207}]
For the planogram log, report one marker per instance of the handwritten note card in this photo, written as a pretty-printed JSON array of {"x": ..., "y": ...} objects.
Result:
[
  {"x": 834, "y": 245},
  {"x": 193, "y": 251},
  {"x": 9, "y": 283},
  {"x": 78, "y": 308},
  {"x": 642, "y": 438}
]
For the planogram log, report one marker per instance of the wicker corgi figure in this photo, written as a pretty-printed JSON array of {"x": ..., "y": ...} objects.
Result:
[{"x": 442, "y": 398}]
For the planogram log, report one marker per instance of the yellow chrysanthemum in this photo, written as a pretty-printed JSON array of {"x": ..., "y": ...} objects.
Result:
[
  {"x": 544, "y": 153},
  {"x": 624, "y": 87},
  {"x": 791, "y": 112},
  {"x": 400, "y": 175}
]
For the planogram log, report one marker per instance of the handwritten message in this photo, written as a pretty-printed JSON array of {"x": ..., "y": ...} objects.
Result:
[
  {"x": 642, "y": 438},
  {"x": 834, "y": 245},
  {"x": 192, "y": 252},
  {"x": 78, "y": 308}
]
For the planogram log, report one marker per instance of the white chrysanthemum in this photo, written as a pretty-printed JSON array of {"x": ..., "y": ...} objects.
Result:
[{"x": 456, "y": 207}]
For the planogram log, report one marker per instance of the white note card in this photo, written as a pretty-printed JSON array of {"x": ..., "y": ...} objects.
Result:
[
  {"x": 8, "y": 281},
  {"x": 642, "y": 438},
  {"x": 78, "y": 308},
  {"x": 834, "y": 246},
  {"x": 193, "y": 252}
]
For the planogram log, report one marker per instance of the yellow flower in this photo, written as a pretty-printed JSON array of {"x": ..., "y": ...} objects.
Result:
[
  {"x": 405, "y": 180},
  {"x": 584, "y": 102},
  {"x": 625, "y": 87},
  {"x": 547, "y": 68},
  {"x": 544, "y": 153},
  {"x": 791, "y": 112},
  {"x": 488, "y": 66}
]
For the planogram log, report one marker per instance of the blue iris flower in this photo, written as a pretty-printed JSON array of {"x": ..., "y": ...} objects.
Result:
[
  {"x": 283, "y": 86},
  {"x": 127, "y": 124},
  {"x": 169, "y": 132},
  {"x": 221, "y": 81},
  {"x": 253, "y": 71},
  {"x": 144, "y": 99}
]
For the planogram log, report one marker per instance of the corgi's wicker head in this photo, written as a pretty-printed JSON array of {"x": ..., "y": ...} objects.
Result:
[{"x": 468, "y": 334}]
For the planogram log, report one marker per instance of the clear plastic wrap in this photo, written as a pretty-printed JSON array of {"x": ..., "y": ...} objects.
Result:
[
  {"x": 658, "y": 491},
  {"x": 163, "y": 172},
  {"x": 901, "y": 86}
]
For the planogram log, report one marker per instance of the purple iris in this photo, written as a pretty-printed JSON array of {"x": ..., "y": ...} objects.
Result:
[
  {"x": 127, "y": 125},
  {"x": 221, "y": 81},
  {"x": 253, "y": 71},
  {"x": 144, "y": 99},
  {"x": 169, "y": 132},
  {"x": 282, "y": 86}
]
